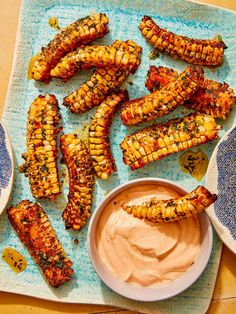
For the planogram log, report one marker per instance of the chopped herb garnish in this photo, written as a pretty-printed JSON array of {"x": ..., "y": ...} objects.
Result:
[{"x": 154, "y": 54}]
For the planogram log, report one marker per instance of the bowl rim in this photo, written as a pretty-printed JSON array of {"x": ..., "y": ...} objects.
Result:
[{"x": 124, "y": 288}]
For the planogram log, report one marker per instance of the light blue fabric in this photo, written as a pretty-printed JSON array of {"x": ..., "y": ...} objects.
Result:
[{"x": 179, "y": 16}]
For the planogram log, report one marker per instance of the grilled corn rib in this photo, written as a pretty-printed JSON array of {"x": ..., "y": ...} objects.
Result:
[
  {"x": 164, "y": 101},
  {"x": 160, "y": 211},
  {"x": 102, "y": 82},
  {"x": 158, "y": 77},
  {"x": 41, "y": 157},
  {"x": 99, "y": 144},
  {"x": 213, "y": 98},
  {"x": 196, "y": 51},
  {"x": 35, "y": 231},
  {"x": 161, "y": 140},
  {"x": 79, "y": 33},
  {"x": 88, "y": 57},
  {"x": 81, "y": 181}
]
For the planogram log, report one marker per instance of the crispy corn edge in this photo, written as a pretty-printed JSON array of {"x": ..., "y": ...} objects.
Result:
[
  {"x": 42, "y": 152},
  {"x": 36, "y": 232},
  {"x": 79, "y": 33},
  {"x": 195, "y": 51},
  {"x": 159, "y": 211},
  {"x": 81, "y": 181},
  {"x": 99, "y": 143},
  {"x": 102, "y": 83},
  {"x": 161, "y": 140},
  {"x": 213, "y": 98},
  {"x": 164, "y": 101},
  {"x": 158, "y": 77},
  {"x": 88, "y": 57}
]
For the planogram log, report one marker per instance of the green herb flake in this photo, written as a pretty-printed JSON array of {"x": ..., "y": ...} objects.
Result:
[{"x": 154, "y": 54}]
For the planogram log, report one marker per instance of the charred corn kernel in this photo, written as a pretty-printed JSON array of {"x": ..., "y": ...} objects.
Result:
[
  {"x": 155, "y": 140},
  {"x": 88, "y": 57},
  {"x": 35, "y": 231},
  {"x": 162, "y": 102},
  {"x": 41, "y": 157},
  {"x": 81, "y": 181},
  {"x": 79, "y": 33},
  {"x": 102, "y": 83},
  {"x": 158, "y": 77},
  {"x": 102, "y": 159},
  {"x": 213, "y": 98},
  {"x": 160, "y": 211},
  {"x": 196, "y": 51}
]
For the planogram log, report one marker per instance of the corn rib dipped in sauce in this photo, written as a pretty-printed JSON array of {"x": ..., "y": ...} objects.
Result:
[{"x": 145, "y": 253}]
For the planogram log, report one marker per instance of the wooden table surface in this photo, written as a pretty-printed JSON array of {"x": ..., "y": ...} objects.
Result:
[{"x": 224, "y": 297}]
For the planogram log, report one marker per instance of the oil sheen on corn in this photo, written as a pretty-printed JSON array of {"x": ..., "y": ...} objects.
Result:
[
  {"x": 146, "y": 253},
  {"x": 14, "y": 259}
]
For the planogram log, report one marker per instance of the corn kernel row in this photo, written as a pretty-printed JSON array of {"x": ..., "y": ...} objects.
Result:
[
  {"x": 81, "y": 181},
  {"x": 36, "y": 232},
  {"x": 102, "y": 82},
  {"x": 99, "y": 144},
  {"x": 161, "y": 140},
  {"x": 164, "y": 101},
  {"x": 195, "y": 51},
  {"x": 41, "y": 157},
  {"x": 81, "y": 32},
  {"x": 159, "y": 211}
]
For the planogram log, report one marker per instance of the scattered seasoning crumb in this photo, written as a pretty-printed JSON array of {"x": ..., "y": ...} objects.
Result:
[
  {"x": 63, "y": 174},
  {"x": 217, "y": 37},
  {"x": 114, "y": 203},
  {"x": 184, "y": 111},
  {"x": 106, "y": 192},
  {"x": 154, "y": 54},
  {"x": 24, "y": 156},
  {"x": 53, "y": 22},
  {"x": 83, "y": 132},
  {"x": 76, "y": 241},
  {"x": 23, "y": 167},
  {"x": 14, "y": 259}
]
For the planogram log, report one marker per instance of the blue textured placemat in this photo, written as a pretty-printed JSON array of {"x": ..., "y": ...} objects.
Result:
[{"x": 183, "y": 17}]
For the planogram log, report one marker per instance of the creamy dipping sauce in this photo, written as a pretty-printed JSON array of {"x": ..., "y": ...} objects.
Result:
[{"x": 142, "y": 252}]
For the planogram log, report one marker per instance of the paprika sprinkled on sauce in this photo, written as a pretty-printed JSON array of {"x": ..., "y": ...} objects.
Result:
[
  {"x": 194, "y": 163},
  {"x": 14, "y": 259}
]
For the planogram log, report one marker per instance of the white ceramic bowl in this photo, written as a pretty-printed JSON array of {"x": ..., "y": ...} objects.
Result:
[{"x": 160, "y": 292}]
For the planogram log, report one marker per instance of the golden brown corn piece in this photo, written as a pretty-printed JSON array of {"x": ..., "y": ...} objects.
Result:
[
  {"x": 79, "y": 33},
  {"x": 99, "y": 143},
  {"x": 81, "y": 181},
  {"x": 164, "y": 101},
  {"x": 158, "y": 77},
  {"x": 88, "y": 57},
  {"x": 42, "y": 152},
  {"x": 102, "y": 83},
  {"x": 213, "y": 98},
  {"x": 174, "y": 209},
  {"x": 36, "y": 232},
  {"x": 161, "y": 140},
  {"x": 208, "y": 52}
]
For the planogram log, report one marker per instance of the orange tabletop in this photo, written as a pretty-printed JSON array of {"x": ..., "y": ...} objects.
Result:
[{"x": 224, "y": 297}]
